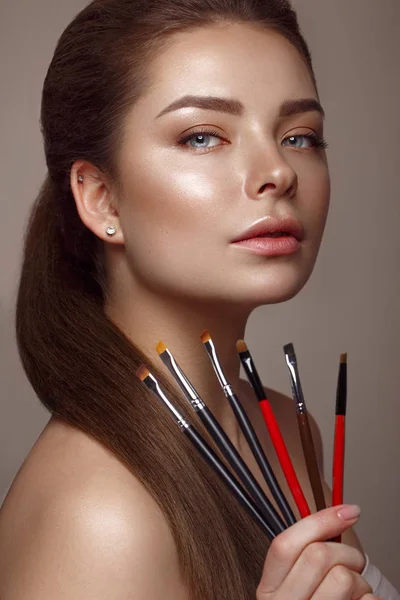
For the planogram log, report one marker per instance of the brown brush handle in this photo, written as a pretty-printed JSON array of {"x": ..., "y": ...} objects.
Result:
[{"x": 311, "y": 460}]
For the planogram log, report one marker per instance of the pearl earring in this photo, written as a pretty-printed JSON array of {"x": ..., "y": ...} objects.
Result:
[{"x": 111, "y": 231}]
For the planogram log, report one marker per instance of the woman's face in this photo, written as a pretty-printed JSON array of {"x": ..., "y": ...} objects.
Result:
[{"x": 195, "y": 179}]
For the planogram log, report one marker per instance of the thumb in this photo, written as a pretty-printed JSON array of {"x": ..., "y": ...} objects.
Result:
[{"x": 319, "y": 527}]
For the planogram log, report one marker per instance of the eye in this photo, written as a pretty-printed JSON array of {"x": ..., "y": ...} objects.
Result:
[
  {"x": 203, "y": 139},
  {"x": 303, "y": 141}
]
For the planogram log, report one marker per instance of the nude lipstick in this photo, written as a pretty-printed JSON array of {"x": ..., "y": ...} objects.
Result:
[{"x": 271, "y": 236}]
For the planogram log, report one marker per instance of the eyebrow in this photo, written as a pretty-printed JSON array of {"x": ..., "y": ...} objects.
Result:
[{"x": 236, "y": 108}]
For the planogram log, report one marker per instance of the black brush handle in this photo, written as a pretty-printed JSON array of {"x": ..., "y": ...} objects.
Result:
[
  {"x": 240, "y": 467},
  {"x": 252, "y": 375},
  {"x": 341, "y": 391},
  {"x": 263, "y": 463},
  {"x": 208, "y": 454}
]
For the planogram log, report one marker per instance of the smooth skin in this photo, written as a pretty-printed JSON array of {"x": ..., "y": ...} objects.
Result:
[{"x": 76, "y": 523}]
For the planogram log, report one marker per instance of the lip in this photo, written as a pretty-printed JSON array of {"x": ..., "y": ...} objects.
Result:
[{"x": 287, "y": 225}]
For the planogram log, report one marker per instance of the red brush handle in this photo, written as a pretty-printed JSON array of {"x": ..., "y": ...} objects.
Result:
[
  {"x": 338, "y": 464},
  {"x": 284, "y": 458}
]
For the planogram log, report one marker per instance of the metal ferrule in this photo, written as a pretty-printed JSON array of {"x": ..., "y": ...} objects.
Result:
[
  {"x": 185, "y": 384},
  {"x": 182, "y": 424},
  {"x": 215, "y": 363},
  {"x": 228, "y": 391},
  {"x": 182, "y": 379},
  {"x": 160, "y": 394},
  {"x": 296, "y": 386},
  {"x": 253, "y": 375},
  {"x": 301, "y": 408},
  {"x": 197, "y": 404},
  {"x": 247, "y": 361}
]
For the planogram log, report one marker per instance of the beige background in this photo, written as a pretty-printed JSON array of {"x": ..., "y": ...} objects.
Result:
[{"x": 351, "y": 301}]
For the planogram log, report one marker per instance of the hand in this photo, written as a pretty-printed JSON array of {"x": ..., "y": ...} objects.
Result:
[{"x": 301, "y": 565}]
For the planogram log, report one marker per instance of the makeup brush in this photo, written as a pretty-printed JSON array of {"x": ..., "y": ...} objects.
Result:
[
  {"x": 339, "y": 444},
  {"x": 273, "y": 428},
  {"x": 218, "y": 434},
  {"x": 249, "y": 433},
  {"x": 206, "y": 452},
  {"x": 304, "y": 429}
]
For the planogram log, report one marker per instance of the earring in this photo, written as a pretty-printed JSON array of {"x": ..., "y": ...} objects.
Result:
[
  {"x": 111, "y": 231},
  {"x": 80, "y": 178}
]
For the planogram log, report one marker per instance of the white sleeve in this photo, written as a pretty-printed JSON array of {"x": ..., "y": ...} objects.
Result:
[{"x": 380, "y": 585}]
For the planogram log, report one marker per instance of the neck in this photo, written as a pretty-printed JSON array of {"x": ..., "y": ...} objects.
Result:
[{"x": 179, "y": 326}]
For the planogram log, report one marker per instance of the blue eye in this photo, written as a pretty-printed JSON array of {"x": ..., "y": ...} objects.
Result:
[
  {"x": 311, "y": 140},
  {"x": 200, "y": 139}
]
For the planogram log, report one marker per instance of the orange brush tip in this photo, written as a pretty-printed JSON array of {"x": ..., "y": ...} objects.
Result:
[
  {"x": 161, "y": 347},
  {"x": 205, "y": 336},
  {"x": 343, "y": 357},
  {"x": 142, "y": 372},
  {"x": 241, "y": 346}
]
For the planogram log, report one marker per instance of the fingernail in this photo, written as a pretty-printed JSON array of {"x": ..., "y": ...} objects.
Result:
[{"x": 349, "y": 512}]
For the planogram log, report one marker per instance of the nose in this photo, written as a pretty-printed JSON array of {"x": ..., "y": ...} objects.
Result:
[{"x": 270, "y": 175}]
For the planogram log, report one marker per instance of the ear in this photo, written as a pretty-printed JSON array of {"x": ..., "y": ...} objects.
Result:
[{"x": 94, "y": 201}]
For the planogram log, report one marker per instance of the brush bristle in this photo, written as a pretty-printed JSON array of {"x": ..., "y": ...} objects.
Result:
[
  {"x": 241, "y": 346},
  {"x": 343, "y": 357},
  {"x": 142, "y": 372},
  {"x": 161, "y": 347},
  {"x": 288, "y": 349},
  {"x": 205, "y": 336}
]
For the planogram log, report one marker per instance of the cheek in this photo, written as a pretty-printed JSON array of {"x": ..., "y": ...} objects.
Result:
[
  {"x": 314, "y": 195},
  {"x": 168, "y": 195},
  {"x": 171, "y": 214}
]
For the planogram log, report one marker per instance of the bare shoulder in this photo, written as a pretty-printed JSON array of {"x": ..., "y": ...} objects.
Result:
[{"x": 76, "y": 523}]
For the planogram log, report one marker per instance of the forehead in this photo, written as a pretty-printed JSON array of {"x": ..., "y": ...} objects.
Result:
[{"x": 233, "y": 60}]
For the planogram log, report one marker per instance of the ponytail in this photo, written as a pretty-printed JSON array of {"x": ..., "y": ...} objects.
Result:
[
  {"x": 82, "y": 368},
  {"x": 80, "y": 364}
]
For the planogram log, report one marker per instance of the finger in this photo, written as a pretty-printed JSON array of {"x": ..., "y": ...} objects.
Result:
[
  {"x": 287, "y": 546},
  {"x": 342, "y": 584},
  {"x": 315, "y": 563}
]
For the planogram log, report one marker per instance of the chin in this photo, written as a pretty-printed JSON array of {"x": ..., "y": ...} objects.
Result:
[
  {"x": 280, "y": 287},
  {"x": 281, "y": 296},
  {"x": 276, "y": 297}
]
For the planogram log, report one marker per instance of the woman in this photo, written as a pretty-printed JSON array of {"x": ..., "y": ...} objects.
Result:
[{"x": 172, "y": 130}]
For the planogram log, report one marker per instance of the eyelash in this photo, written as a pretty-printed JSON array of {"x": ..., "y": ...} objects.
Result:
[
  {"x": 319, "y": 142},
  {"x": 205, "y": 132}
]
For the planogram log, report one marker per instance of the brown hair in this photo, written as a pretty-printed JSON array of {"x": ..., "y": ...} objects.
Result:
[{"x": 80, "y": 364}]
